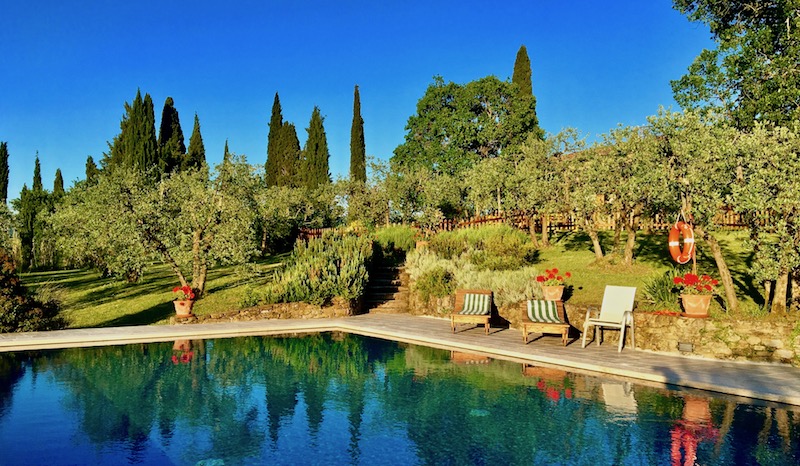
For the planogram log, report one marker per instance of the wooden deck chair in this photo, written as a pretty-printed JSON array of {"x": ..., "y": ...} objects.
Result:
[
  {"x": 472, "y": 307},
  {"x": 542, "y": 316},
  {"x": 615, "y": 312}
]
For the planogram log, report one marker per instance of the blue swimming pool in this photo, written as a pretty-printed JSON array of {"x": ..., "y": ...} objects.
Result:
[{"x": 343, "y": 399}]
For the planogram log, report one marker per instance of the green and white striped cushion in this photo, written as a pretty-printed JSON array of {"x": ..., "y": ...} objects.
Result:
[
  {"x": 543, "y": 311},
  {"x": 476, "y": 304}
]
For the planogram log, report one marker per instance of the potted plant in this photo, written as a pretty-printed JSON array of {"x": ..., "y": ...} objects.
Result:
[
  {"x": 184, "y": 301},
  {"x": 552, "y": 283},
  {"x": 696, "y": 292}
]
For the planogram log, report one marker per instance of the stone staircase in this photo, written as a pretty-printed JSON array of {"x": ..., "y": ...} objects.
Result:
[{"x": 387, "y": 290}]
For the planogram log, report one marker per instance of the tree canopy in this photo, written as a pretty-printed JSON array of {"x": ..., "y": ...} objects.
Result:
[
  {"x": 754, "y": 73},
  {"x": 457, "y": 125}
]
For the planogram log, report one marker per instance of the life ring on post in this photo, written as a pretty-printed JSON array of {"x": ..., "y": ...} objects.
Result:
[{"x": 679, "y": 255}]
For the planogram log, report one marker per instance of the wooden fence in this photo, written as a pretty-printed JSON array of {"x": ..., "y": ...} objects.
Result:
[{"x": 727, "y": 219}]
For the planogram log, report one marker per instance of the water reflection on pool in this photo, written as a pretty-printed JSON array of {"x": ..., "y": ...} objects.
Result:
[{"x": 344, "y": 399}]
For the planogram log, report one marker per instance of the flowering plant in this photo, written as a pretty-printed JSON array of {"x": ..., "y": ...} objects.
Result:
[
  {"x": 185, "y": 292},
  {"x": 551, "y": 277},
  {"x": 695, "y": 284}
]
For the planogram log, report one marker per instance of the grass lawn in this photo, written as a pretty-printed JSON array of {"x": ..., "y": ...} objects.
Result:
[
  {"x": 93, "y": 301},
  {"x": 572, "y": 252}
]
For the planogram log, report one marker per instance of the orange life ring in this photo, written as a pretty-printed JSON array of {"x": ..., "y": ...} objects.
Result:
[{"x": 679, "y": 255}]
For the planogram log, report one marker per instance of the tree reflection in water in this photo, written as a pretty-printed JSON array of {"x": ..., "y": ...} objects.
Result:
[{"x": 345, "y": 399}]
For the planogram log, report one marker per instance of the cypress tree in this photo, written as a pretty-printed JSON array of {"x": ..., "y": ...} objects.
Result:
[
  {"x": 136, "y": 144},
  {"x": 149, "y": 144},
  {"x": 196, "y": 155},
  {"x": 526, "y": 103},
  {"x": 522, "y": 72},
  {"x": 290, "y": 171},
  {"x": 171, "y": 147},
  {"x": 226, "y": 155},
  {"x": 275, "y": 154},
  {"x": 58, "y": 184},
  {"x": 4, "y": 172},
  {"x": 316, "y": 153},
  {"x": 91, "y": 170},
  {"x": 358, "y": 150},
  {"x": 37, "y": 176}
]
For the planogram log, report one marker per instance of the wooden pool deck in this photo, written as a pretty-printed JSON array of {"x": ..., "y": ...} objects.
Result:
[{"x": 771, "y": 382}]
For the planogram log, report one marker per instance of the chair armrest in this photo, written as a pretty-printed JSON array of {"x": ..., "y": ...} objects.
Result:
[
  {"x": 592, "y": 309},
  {"x": 627, "y": 318}
]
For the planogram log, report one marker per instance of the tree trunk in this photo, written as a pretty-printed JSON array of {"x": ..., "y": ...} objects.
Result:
[
  {"x": 724, "y": 273},
  {"x": 545, "y": 230},
  {"x": 598, "y": 249},
  {"x": 779, "y": 295},
  {"x": 630, "y": 243},
  {"x": 499, "y": 203},
  {"x": 532, "y": 231},
  {"x": 264, "y": 242},
  {"x": 617, "y": 234}
]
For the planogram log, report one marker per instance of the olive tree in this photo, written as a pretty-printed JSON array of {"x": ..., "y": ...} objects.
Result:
[
  {"x": 701, "y": 159},
  {"x": 768, "y": 193},
  {"x": 189, "y": 220}
]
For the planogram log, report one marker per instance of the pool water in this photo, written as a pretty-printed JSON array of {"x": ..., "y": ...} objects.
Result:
[{"x": 336, "y": 398}]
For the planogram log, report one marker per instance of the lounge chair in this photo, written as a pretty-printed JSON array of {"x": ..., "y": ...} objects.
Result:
[
  {"x": 472, "y": 307},
  {"x": 542, "y": 316},
  {"x": 615, "y": 312}
]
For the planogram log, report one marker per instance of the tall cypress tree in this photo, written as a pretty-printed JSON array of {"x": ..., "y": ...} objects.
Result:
[
  {"x": 171, "y": 147},
  {"x": 358, "y": 150},
  {"x": 526, "y": 103},
  {"x": 290, "y": 171},
  {"x": 196, "y": 155},
  {"x": 149, "y": 142},
  {"x": 316, "y": 153},
  {"x": 136, "y": 144},
  {"x": 91, "y": 170},
  {"x": 58, "y": 184},
  {"x": 37, "y": 176},
  {"x": 226, "y": 155},
  {"x": 522, "y": 72},
  {"x": 275, "y": 154},
  {"x": 4, "y": 172}
]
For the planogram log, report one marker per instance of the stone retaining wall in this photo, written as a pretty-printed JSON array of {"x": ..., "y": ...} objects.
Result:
[
  {"x": 339, "y": 307},
  {"x": 763, "y": 340}
]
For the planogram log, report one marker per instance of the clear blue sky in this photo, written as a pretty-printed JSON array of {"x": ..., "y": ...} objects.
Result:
[{"x": 67, "y": 67}]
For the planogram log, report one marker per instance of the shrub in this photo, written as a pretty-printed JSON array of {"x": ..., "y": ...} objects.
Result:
[
  {"x": 510, "y": 286},
  {"x": 20, "y": 312},
  {"x": 660, "y": 289},
  {"x": 492, "y": 247},
  {"x": 395, "y": 242},
  {"x": 437, "y": 282},
  {"x": 334, "y": 265}
]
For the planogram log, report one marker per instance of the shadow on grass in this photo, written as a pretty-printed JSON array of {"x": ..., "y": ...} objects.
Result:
[{"x": 150, "y": 316}]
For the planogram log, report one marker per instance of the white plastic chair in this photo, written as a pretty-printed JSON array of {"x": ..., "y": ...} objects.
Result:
[{"x": 615, "y": 312}]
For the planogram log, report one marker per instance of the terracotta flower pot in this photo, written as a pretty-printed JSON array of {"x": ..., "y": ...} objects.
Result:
[
  {"x": 183, "y": 307},
  {"x": 552, "y": 292},
  {"x": 696, "y": 305}
]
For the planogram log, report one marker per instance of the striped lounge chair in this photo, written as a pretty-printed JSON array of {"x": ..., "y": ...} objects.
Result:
[
  {"x": 472, "y": 307},
  {"x": 544, "y": 317}
]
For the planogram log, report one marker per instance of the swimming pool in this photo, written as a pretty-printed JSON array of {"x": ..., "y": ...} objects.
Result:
[{"x": 336, "y": 398}]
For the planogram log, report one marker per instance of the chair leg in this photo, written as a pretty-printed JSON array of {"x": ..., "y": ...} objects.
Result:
[
  {"x": 564, "y": 335},
  {"x": 583, "y": 337},
  {"x": 453, "y": 324},
  {"x": 633, "y": 336},
  {"x": 524, "y": 335},
  {"x": 598, "y": 328},
  {"x": 487, "y": 327},
  {"x": 621, "y": 338}
]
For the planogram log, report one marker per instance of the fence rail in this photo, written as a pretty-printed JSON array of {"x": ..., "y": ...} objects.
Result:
[{"x": 727, "y": 219}]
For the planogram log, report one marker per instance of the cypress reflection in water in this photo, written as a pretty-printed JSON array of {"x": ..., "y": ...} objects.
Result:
[{"x": 345, "y": 399}]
